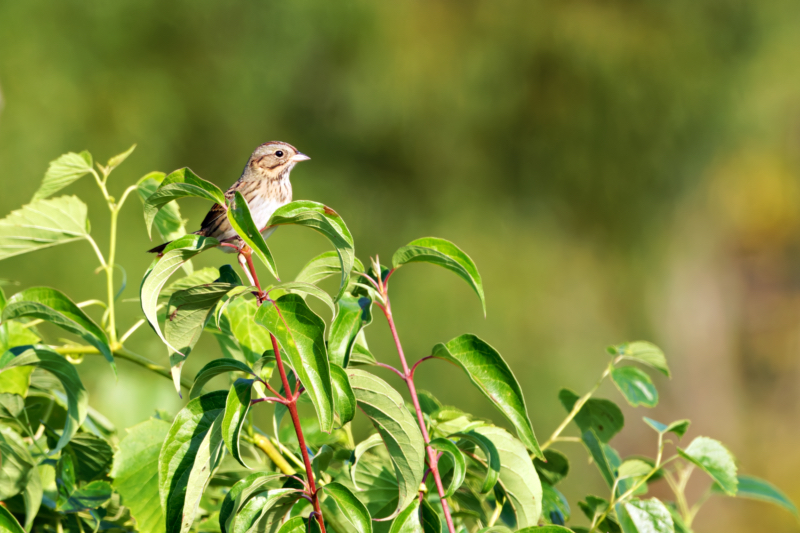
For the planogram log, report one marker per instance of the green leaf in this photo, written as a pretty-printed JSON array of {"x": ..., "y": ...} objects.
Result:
[
  {"x": 633, "y": 468},
  {"x": 445, "y": 254},
  {"x": 386, "y": 409},
  {"x": 93, "y": 455},
  {"x": 17, "y": 464},
  {"x": 602, "y": 416},
  {"x": 642, "y": 352},
  {"x": 71, "y": 498},
  {"x": 429, "y": 518},
  {"x": 56, "y": 307},
  {"x": 493, "y": 377},
  {"x": 198, "y": 277},
  {"x": 327, "y": 222},
  {"x": 545, "y": 529},
  {"x": 8, "y": 523},
  {"x": 493, "y": 460},
  {"x": 62, "y": 172},
  {"x": 32, "y": 497},
  {"x": 11, "y": 405},
  {"x": 236, "y": 407},
  {"x": 754, "y": 488},
  {"x": 354, "y": 313},
  {"x": 168, "y": 222},
  {"x": 43, "y": 224},
  {"x": 301, "y": 335},
  {"x": 323, "y": 266},
  {"x": 605, "y": 457},
  {"x": 118, "y": 159},
  {"x": 252, "y": 338},
  {"x": 715, "y": 459},
  {"x": 351, "y": 507},
  {"x": 555, "y": 508},
  {"x": 344, "y": 400},
  {"x": 517, "y": 475},
  {"x": 678, "y": 427},
  {"x": 459, "y": 463},
  {"x": 240, "y": 494},
  {"x": 265, "y": 511},
  {"x": 179, "y": 184},
  {"x": 361, "y": 356},
  {"x": 213, "y": 369},
  {"x": 361, "y": 448},
  {"x": 644, "y": 516},
  {"x": 298, "y": 287},
  {"x": 77, "y": 397},
  {"x": 635, "y": 386},
  {"x": 190, "y": 453},
  {"x": 135, "y": 473},
  {"x": 175, "y": 254},
  {"x": 408, "y": 520},
  {"x": 298, "y": 524},
  {"x": 187, "y": 313},
  {"x": 553, "y": 468},
  {"x": 242, "y": 222}
]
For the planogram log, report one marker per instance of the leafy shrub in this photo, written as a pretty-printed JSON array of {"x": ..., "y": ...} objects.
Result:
[{"x": 426, "y": 467}]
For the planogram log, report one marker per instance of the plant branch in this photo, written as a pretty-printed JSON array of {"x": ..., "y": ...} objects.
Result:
[
  {"x": 245, "y": 260},
  {"x": 393, "y": 369},
  {"x": 123, "y": 353},
  {"x": 414, "y": 368},
  {"x": 266, "y": 446},
  {"x": 408, "y": 378},
  {"x": 575, "y": 410}
]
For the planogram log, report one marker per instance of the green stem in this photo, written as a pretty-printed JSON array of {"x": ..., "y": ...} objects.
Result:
[
  {"x": 112, "y": 250},
  {"x": 124, "y": 353},
  {"x": 576, "y": 409}
]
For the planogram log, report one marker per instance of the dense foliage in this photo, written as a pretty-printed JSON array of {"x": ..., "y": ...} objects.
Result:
[{"x": 426, "y": 467}]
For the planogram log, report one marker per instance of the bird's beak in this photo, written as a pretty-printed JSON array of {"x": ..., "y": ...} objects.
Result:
[{"x": 299, "y": 156}]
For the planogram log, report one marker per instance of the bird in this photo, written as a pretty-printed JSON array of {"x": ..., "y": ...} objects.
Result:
[{"x": 265, "y": 185}]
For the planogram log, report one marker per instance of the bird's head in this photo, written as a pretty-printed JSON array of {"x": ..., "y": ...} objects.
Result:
[{"x": 273, "y": 160}]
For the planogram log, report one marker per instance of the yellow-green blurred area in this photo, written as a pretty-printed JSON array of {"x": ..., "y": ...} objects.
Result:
[{"x": 618, "y": 170}]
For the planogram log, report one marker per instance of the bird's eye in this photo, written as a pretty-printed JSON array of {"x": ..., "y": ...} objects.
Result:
[{"x": 279, "y": 153}]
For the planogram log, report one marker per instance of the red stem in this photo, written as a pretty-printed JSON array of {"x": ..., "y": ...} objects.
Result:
[
  {"x": 408, "y": 377},
  {"x": 291, "y": 404},
  {"x": 414, "y": 368}
]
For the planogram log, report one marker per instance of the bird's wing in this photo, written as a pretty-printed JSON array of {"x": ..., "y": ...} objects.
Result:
[{"x": 216, "y": 224}]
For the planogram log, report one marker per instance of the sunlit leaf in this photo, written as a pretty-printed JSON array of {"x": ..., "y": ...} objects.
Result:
[
  {"x": 42, "y": 224},
  {"x": 635, "y": 386},
  {"x": 135, "y": 473},
  {"x": 242, "y": 222},
  {"x": 190, "y": 453},
  {"x": 445, "y": 254},
  {"x": 61, "y": 369},
  {"x": 344, "y": 401},
  {"x": 240, "y": 494},
  {"x": 327, "y": 222},
  {"x": 517, "y": 475},
  {"x": 174, "y": 255},
  {"x": 118, "y": 159},
  {"x": 301, "y": 336},
  {"x": 236, "y": 407},
  {"x": 179, "y": 184},
  {"x": 644, "y": 516},
  {"x": 642, "y": 352},
  {"x": 187, "y": 313},
  {"x": 408, "y": 520},
  {"x": 323, "y": 266},
  {"x": 491, "y": 374},
  {"x": 213, "y": 369},
  {"x": 397, "y": 427},
  {"x": 168, "y": 222},
  {"x": 715, "y": 459},
  {"x": 8, "y": 523},
  {"x": 299, "y": 287},
  {"x": 62, "y": 172},
  {"x": 56, "y": 307},
  {"x": 354, "y": 313},
  {"x": 17, "y": 464},
  {"x": 459, "y": 463},
  {"x": 351, "y": 507}
]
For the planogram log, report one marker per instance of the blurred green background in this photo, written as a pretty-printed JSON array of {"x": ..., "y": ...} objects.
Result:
[{"x": 618, "y": 170}]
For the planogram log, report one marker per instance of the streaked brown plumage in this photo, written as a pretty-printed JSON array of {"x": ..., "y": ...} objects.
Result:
[{"x": 265, "y": 185}]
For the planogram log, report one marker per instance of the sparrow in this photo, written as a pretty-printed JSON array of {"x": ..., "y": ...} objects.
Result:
[{"x": 265, "y": 185}]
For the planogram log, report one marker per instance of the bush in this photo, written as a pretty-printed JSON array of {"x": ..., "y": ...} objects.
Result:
[{"x": 426, "y": 467}]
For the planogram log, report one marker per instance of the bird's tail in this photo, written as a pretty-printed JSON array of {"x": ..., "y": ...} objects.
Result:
[{"x": 158, "y": 249}]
